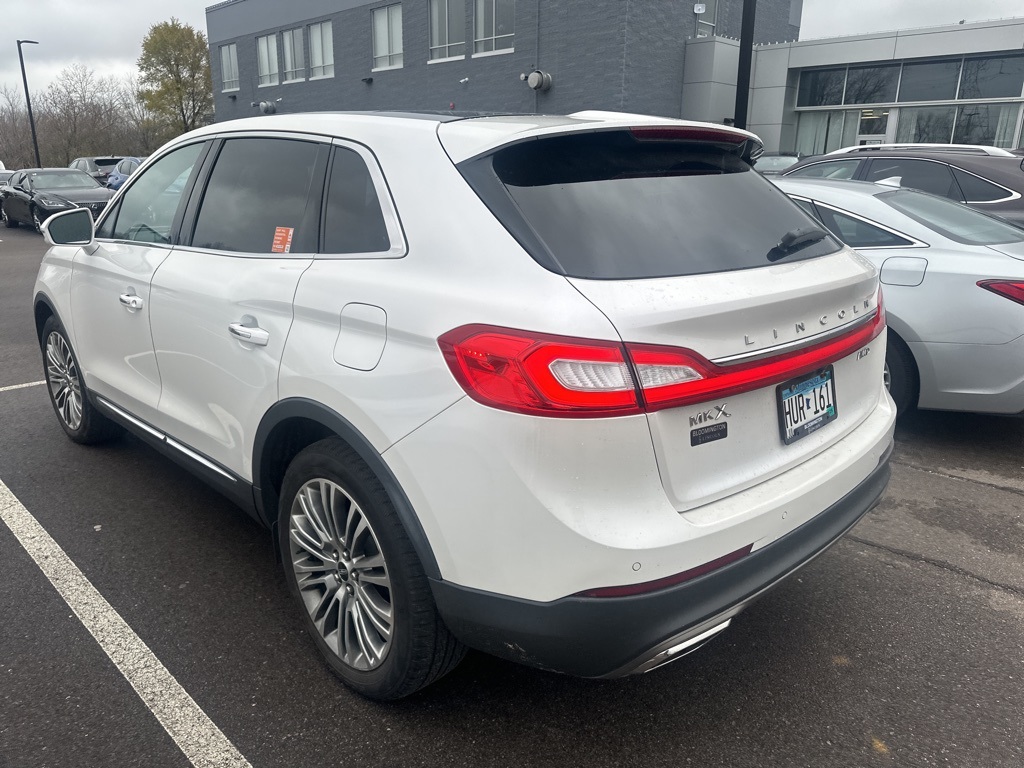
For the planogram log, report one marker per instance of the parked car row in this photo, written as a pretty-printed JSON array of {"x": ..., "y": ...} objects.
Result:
[{"x": 32, "y": 195}]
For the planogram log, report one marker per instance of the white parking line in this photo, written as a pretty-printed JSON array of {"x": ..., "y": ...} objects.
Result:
[
  {"x": 21, "y": 386},
  {"x": 192, "y": 730}
]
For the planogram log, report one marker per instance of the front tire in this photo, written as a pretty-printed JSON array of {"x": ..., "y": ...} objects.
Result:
[
  {"x": 366, "y": 601},
  {"x": 901, "y": 376},
  {"x": 7, "y": 220},
  {"x": 70, "y": 399}
]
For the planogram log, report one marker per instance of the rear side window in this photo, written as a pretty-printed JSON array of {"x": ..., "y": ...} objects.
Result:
[
  {"x": 858, "y": 233},
  {"x": 353, "y": 222},
  {"x": 258, "y": 197},
  {"x": 924, "y": 175},
  {"x": 609, "y": 206},
  {"x": 977, "y": 190},
  {"x": 833, "y": 169}
]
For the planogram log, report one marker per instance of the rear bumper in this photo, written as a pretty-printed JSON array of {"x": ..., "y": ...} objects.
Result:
[{"x": 613, "y": 637}]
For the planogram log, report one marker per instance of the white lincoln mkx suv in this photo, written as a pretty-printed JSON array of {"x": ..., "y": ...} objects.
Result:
[{"x": 571, "y": 390}]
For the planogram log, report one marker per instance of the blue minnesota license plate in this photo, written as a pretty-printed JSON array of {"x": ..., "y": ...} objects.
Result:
[{"x": 806, "y": 404}]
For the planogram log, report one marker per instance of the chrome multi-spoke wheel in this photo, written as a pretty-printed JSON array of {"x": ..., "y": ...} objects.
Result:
[
  {"x": 341, "y": 574},
  {"x": 347, "y": 557},
  {"x": 62, "y": 377}
]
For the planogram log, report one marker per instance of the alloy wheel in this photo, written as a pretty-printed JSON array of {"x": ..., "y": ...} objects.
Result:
[
  {"x": 36, "y": 221},
  {"x": 62, "y": 377},
  {"x": 341, "y": 574}
]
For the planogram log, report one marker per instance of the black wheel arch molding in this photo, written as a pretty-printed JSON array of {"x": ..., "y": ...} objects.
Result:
[{"x": 325, "y": 422}]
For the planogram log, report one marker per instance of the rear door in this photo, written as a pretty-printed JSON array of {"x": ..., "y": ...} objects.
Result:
[{"x": 222, "y": 303}]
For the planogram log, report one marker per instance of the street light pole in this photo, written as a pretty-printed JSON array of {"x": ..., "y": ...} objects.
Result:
[{"x": 28, "y": 99}]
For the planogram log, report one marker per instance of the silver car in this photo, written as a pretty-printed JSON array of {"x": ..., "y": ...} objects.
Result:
[{"x": 954, "y": 291}]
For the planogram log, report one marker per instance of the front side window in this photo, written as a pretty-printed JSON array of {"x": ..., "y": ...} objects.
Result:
[
  {"x": 146, "y": 212},
  {"x": 321, "y": 50},
  {"x": 387, "y": 37},
  {"x": 229, "y": 67},
  {"x": 294, "y": 55},
  {"x": 252, "y": 205},
  {"x": 494, "y": 25},
  {"x": 447, "y": 28},
  {"x": 266, "y": 52},
  {"x": 957, "y": 222}
]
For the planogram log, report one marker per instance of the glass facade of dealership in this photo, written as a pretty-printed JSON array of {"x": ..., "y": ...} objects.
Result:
[{"x": 975, "y": 99}]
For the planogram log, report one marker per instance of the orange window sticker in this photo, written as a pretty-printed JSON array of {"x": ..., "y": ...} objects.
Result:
[{"x": 283, "y": 240}]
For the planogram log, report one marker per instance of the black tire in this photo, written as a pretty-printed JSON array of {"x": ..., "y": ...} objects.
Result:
[
  {"x": 8, "y": 222},
  {"x": 344, "y": 566},
  {"x": 70, "y": 399},
  {"x": 902, "y": 378}
]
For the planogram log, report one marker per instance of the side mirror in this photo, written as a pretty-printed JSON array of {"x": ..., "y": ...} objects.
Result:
[{"x": 72, "y": 227}]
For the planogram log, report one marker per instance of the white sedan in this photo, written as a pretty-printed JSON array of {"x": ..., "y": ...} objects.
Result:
[{"x": 954, "y": 291}]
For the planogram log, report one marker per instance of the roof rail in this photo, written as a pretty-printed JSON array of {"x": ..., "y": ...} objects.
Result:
[{"x": 971, "y": 149}]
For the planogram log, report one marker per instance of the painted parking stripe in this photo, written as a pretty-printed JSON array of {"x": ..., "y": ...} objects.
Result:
[
  {"x": 192, "y": 730},
  {"x": 22, "y": 386}
]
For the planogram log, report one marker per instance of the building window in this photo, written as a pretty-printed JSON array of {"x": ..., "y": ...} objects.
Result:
[
  {"x": 494, "y": 25},
  {"x": 321, "y": 50},
  {"x": 294, "y": 55},
  {"x": 821, "y": 87},
  {"x": 447, "y": 28},
  {"x": 931, "y": 125},
  {"x": 992, "y": 78},
  {"x": 990, "y": 124},
  {"x": 387, "y": 37},
  {"x": 229, "y": 67},
  {"x": 707, "y": 19},
  {"x": 266, "y": 50},
  {"x": 929, "y": 81},
  {"x": 872, "y": 85}
]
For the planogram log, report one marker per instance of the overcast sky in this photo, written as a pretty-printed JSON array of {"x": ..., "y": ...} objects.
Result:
[{"x": 106, "y": 35}]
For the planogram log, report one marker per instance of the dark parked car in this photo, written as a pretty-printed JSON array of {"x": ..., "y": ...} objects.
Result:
[
  {"x": 122, "y": 171},
  {"x": 33, "y": 195},
  {"x": 989, "y": 179},
  {"x": 97, "y": 167}
]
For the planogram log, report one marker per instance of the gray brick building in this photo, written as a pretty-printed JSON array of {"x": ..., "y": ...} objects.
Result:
[{"x": 625, "y": 55}]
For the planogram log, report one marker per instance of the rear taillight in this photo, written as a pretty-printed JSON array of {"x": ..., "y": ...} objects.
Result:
[
  {"x": 1011, "y": 289},
  {"x": 560, "y": 376}
]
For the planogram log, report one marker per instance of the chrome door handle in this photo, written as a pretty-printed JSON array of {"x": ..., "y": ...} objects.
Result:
[
  {"x": 131, "y": 301},
  {"x": 250, "y": 334}
]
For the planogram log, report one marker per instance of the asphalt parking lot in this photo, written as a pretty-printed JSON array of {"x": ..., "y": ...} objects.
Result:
[{"x": 903, "y": 645}]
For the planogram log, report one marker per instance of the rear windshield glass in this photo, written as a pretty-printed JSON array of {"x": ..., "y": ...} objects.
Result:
[
  {"x": 609, "y": 206},
  {"x": 107, "y": 162},
  {"x": 957, "y": 222}
]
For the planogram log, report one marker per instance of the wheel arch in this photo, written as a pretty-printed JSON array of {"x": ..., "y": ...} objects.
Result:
[
  {"x": 295, "y": 423},
  {"x": 43, "y": 309}
]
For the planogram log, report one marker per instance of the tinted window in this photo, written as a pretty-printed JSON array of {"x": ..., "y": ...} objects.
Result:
[
  {"x": 607, "y": 206},
  {"x": 957, "y": 222},
  {"x": 833, "y": 169},
  {"x": 871, "y": 85},
  {"x": 146, "y": 212},
  {"x": 977, "y": 190},
  {"x": 353, "y": 221},
  {"x": 256, "y": 199},
  {"x": 994, "y": 78},
  {"x": 926, "y": 124},
  {"x": 931, "y": 81},
  {"x": 69, "y": 179},
  {"x": 924, "y": 175},
  {"x": 857, "y": 233},
  {"x": 821, "y": 87},
  {"x": 808, "y": 208}
]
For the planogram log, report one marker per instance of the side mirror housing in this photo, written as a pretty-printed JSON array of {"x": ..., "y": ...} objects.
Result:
[{"x": 74, "y": 227}]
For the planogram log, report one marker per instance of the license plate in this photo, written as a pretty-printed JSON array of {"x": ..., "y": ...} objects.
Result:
[{"x": 806, "y": 404}]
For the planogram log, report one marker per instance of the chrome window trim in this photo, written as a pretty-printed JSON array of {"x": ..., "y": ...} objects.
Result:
[{"x": 914, "y": 242}]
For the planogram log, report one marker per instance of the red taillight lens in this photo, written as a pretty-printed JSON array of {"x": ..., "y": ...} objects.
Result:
[
  {"x": 540, "y": 374},
  {"x": 560, "y": 376},
  {"x": 1011, "y": 289}
]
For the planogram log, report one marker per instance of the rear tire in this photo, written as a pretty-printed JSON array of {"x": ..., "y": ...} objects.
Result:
[
  {"x": 902, "y": 378},
  {"x": 75, "y": 412},
  {"x": 365, "y": 599}
]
